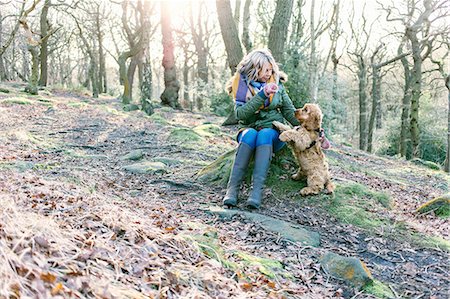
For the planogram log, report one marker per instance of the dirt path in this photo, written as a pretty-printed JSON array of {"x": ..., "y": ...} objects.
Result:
[{"x": 70, "y": 151}]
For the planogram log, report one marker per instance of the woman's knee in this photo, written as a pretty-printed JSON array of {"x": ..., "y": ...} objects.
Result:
[
  {"x": 266, "y": 136},
  {"x": 248, "y": 136}
]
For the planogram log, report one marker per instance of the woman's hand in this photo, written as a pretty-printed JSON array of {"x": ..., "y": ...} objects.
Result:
[{"x": 270, "y": 89}]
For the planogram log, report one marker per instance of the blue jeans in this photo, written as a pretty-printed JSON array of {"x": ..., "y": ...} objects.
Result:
[{"x": 264, "y": 136}]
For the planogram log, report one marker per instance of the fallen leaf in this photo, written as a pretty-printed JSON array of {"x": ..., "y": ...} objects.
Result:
[
  {"x": 48, "y": 277},
  {"x": 57, "y": 288}
]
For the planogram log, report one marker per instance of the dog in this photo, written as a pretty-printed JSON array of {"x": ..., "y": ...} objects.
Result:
[{"x": 305, "y": 143}]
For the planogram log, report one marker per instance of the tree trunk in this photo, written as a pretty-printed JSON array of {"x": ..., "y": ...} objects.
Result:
[
  {"x": 198, "y": 35},
  {"x": 169, "y": 96},
  {"x": 102, "y": 84},
  {"x": 279, "y": 29},
  {"x": 375, "y": 104},
  {"x": 334, "y": 92},
  {"x": 230, "y": 34},
  {"x": 313, "y": 74},
  {"x": 362, "y": 76},
  {"x": 186, "y": 81},
  {"x": 2, "y": 65},
  {"x": 406, "y": 103},
  {"x": 32, "y": 86},
  {"x": 44, "y": 43},
  {"x": 146, "y": 86},
  {"x": 237, "y": 14},
  {"x": 416, "y": 86},
  {"x": 245, "y": 24},
  {"x": 447, "y": 160}
]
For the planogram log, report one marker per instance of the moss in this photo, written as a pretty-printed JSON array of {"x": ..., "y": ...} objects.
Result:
[
  {"x": 431, "y": 242},
  {"x": 425, "y": 163},
  {"x": 157, "y": 118},
  {"x": 183, "y": 135},
  {"x": 17, "y": 100},
  {"x": 207, "y": 130},
  {"x": 266, "y": 266},
  {"x": 440, "y": 206},
  {"x": 218, "y": 172},
  {"x": 77, "y": 104},
  {"x": 378, "y": 289}
]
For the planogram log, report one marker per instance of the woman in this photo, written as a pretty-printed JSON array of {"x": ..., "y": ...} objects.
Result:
[{"x": 260, "y": 99}]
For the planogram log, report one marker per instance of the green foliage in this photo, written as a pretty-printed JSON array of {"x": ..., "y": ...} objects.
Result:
[
  {"x": 221, "y": 104},
  {"x": 433, "y": 134},
  {"x": 297, "y": 85}
]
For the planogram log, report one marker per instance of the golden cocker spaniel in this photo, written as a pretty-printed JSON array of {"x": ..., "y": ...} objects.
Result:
[{"x": 305, "y": 143}]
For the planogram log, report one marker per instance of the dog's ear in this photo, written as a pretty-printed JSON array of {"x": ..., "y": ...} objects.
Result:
[{"x": 316, "y": 117}]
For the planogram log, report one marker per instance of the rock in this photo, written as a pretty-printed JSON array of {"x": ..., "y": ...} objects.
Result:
[
  {"x": 23, "y": 165},
  {"x": 146, "y": 167},
  {"x": 133, "y": 155},
  {"x": 440, "y": 206},
  {"x": 130, "y": 107},
  {"x": 350, "y": 269},
  {"x": 426, "y": 163},
  {"x": 208, "y": 130},
  {"x": 287, "y": 230},
  {"x": 183, "y": 135}
]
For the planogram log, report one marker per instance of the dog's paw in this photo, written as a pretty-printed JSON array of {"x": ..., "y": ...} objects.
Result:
[
  {"x": 308, "y": 191},
  {"x": 298, "y": 176},
  {"x": 279, "y": 126},
  {"x": 284, "y": 137}
]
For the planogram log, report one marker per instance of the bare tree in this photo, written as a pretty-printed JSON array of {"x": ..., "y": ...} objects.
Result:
[
  {"x": 246, "y": 41},
  {"x": 44, "y": 22},
  {"x": 279, "y": 29},
  {"x": 169, "y": 96},
  {"x": 358, "y": 55},
  {"x": 9, "y": 40},
  {"x": 199, "y": 34},
  {"x": 376, "y": 89},
  {"x": 230, "y": 34},
  {"x": 33, "y": 45},
  {"x": 138, "y": 40},
  {"x": 420, "y": 33}
]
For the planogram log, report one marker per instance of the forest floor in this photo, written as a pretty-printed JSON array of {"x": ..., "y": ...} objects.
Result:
[{"x": 78, "y": 219}]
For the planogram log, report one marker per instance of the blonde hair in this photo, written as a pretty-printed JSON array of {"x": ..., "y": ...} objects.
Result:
[{"x": 252, "y": 64}]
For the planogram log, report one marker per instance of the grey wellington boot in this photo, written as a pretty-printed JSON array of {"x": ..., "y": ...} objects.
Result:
[
  {"x": 243, "y": 155},
  {"x": 263, "y": 156}
]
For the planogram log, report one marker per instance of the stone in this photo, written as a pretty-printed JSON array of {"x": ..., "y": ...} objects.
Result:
[
  {"x": 146, "y": 167},
  {"x": 133, "y": 155},
  {"x": 439, "y": 205},
  {"x": 287, "y": 230},
  {"x": 350, "y": 269}
]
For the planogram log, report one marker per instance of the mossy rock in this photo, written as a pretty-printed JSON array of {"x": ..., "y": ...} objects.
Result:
[
  {"x": 130, "y": 107},
  {"x": 425, "y": 163},
  {"x": 379, "y": 289},
  {"x": 17, "y": 101},
  {"x": 133, "y": 155},
  {"x": 350, "y": 269},
  {"x": 167, "y": 161},
  {"x": 20, "y": 166},
  {"x": 218, "y": 172},
  {"x": 183, "y": 135},
  {"x": 146, "y": 167},
  {"x": 207, "y": 240},
  {"x": 440, "y": 206},
  {"x": 157, "y": 118},
  {"x": 207, "y": 130}
]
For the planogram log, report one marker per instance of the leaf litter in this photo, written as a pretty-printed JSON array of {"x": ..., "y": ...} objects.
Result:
[{"x": 85, "y": 228}]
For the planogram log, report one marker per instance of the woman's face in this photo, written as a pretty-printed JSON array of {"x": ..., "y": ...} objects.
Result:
[{"x": 265, "y": 73}]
